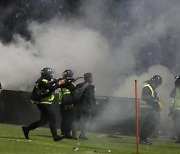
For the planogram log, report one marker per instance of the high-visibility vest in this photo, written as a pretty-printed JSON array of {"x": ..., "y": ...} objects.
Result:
[
  {"x": 62, "y": 92},
  {"x": 144, "y": 104},
  {"x": 46, "y": 100},
  {"x": 176, "y": 103}
]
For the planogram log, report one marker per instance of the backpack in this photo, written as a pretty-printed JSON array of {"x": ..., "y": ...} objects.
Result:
[{"x": 79, "y": 92}]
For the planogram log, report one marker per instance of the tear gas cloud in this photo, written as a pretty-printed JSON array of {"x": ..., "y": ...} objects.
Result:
[{"x": 115, "y": 40}]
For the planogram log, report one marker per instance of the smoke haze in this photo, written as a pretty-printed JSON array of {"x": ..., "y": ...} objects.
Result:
[{"x": 117, "y": 41}]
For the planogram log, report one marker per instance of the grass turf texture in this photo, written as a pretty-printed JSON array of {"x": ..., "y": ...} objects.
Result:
[{"x": 12, "y": 141}]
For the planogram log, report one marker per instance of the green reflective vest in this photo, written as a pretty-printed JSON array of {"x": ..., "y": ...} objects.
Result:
[
  {"x": 144, "y": 104},
  {"x": 176, "y": 103},
  {"x": 62, "y": 92},
  {"x": 47, "y": 100}
]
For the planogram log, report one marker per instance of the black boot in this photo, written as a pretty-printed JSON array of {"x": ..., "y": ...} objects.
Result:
[
  {"x": 26, "y": 132},
  {"x": 74, "y": 138},
  {"x": 83, "y": 137},
  {"x": 145, "y": 142},
  {"x": 57, "y": 138}
]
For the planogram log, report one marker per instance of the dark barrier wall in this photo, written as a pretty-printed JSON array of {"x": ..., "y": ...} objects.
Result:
[
  {"x": 16, "y": 108},
  {"x": 111, "y": 115}
]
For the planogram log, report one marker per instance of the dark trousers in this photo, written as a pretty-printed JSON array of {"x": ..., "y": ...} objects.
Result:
[
  {"x": 82, "y": 117},
  {"x": 67, "y": 119},
  {"x": 176, "y": 116},
  {"x": 47, "y": 115},
  {"x": 148, "y": 122}
]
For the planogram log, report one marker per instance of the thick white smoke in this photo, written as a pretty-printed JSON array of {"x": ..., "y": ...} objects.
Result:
[
  {"x": 93, "y": 43},
  {"x": 59, "y": 45},
  {"x": 87, "y": 44}
]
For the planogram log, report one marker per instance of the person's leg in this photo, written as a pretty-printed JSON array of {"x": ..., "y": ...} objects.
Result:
[
  {"x": 85, "y": 121},
  {"x": 66, "y": 123},
  {"x": 147, "y": 127},
  {"x": 52, "y": 123},
  {"x": 62, "y": 114},
  {"x": 151, "y": 124},
  {"x": 173, "y": 135},
  {"x": 70, "y": 116},
  {"x": 41, "y": 122},
  {"x": 76, "y": 122},
  {"x": 52, "y": 120},
  {"x": 156, "y": 125},
  {"x": 177, "y": 125},
  {"x": 143, "y": 117}
]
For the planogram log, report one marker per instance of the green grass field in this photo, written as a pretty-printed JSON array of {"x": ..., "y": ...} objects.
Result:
[{"x": 12, "y": 141}]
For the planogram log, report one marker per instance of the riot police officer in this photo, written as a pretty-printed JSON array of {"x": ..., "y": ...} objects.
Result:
[
  {"x": 150, "y": 106},
  {"x": 43, "y": 96},
  {"x": 67, "y": 104},
  {"x": 175, "y": 108}
]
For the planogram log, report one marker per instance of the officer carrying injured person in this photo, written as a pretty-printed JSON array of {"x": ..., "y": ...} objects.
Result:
[
  {"x": 43, "y": 96},
  {"x": 150, "y": 106}
]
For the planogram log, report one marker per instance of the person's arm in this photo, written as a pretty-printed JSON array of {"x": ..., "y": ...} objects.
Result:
[
  {"x": 92, "y": 94},
  {"x": 72, "y": 88},
  {"x": 51, "y": 86},
  {"x": 147, "y": 95}
]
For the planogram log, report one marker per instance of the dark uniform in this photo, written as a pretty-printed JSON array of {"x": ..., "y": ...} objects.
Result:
[
  {"x": 66, "y": 109},
  {"x": 176, "y": 108},
  {"x": 0, "y": 88},
  {"x": 84, "y": 106},
  {"x": 67, "y": 105},
  {"x": 149, "y": 110},
  {"x": 47, "y": 86}
]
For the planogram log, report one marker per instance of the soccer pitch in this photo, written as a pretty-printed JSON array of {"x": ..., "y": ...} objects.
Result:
[{"x": 12, "y": 141}]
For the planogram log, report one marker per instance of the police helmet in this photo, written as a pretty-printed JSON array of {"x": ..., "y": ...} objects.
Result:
[
  {"x": 156, "y": 79},
  {"x": 67, "y": 74},
  {"x": 177, "y": 81},
  {"x": 47, "y": 72}
]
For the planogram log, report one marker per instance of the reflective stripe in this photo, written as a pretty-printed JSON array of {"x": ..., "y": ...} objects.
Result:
[
  {"x": 49, "y": 99},
  {"x": 35, "y": 102},
  {"x": 63, "y": 91},
  {"x": 149, "y": 86},
  {"x": 44, "y": 80},
  {"x": 143, "y": 104}
]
